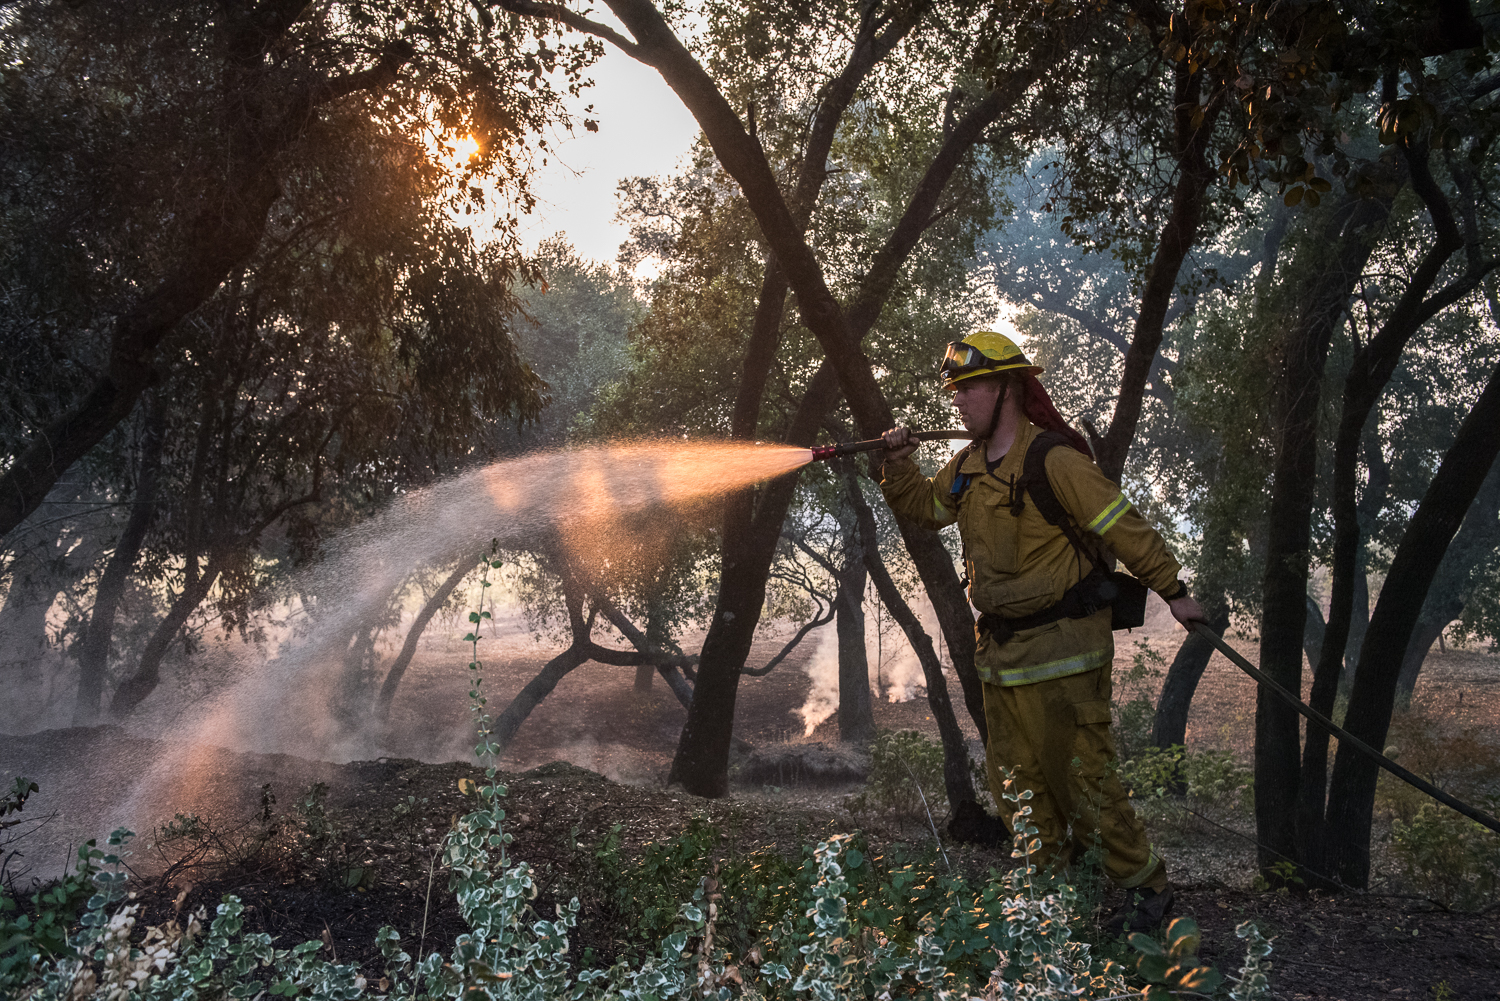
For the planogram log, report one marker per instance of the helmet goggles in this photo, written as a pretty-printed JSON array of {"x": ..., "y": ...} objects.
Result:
[
  {"x": 983, "y": 353},
  {"x": 962, "y": 360}
]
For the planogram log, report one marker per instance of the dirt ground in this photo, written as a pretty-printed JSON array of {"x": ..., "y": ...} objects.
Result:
[{"x": 596, "y": 753}]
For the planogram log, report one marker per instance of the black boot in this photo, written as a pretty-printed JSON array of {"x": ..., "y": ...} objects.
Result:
[{"x": 1143, "y": 911}]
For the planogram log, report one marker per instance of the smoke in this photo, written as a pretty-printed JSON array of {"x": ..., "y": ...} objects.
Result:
[
  {"x": 822, "y": 669},
  {"x": 286, "y": 704},
  {"x": 895, "y": 672}
]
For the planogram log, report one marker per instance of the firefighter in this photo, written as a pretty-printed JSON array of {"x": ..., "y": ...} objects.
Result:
[{"x": 1038, "y": 521}]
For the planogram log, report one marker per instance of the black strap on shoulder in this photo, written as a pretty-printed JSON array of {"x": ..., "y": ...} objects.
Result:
[
  {"x": 1033, "y": 479},
  {"x": 1034, "y": 482}
]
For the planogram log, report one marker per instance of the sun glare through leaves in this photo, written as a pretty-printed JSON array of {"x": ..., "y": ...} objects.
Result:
[{"x": 465, "y": 149}]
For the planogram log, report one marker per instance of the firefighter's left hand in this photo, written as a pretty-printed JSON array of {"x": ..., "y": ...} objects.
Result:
[{"x": 1186, "y": 610}]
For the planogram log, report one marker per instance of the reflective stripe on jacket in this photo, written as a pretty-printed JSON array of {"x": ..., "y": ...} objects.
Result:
[{"x": 1018, "y": 565}]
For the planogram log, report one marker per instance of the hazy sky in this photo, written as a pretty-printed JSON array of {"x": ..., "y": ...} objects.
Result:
[{"x": 643, "y": 129}]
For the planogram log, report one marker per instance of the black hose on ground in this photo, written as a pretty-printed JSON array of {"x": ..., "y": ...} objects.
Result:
[{"x": 1474, "y": 814}]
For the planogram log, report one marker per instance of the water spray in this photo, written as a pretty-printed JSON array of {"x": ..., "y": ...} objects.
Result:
[{"x": 825, "y": 452}]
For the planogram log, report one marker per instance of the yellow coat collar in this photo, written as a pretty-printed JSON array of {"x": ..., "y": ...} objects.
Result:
[{"x": 1011, "y": 465}]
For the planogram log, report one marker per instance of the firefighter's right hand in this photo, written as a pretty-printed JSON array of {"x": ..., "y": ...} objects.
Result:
[{"x": 899, "y": 443}]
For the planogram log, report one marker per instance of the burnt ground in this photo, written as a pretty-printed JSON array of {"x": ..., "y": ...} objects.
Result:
[{"x": 363, "y": 856}]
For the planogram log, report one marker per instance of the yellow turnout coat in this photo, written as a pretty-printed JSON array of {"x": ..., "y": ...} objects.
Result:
[{"x": 1020, "y": 564}]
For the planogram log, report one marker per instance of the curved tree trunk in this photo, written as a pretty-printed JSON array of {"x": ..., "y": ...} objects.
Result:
[
  {"x": 955, "y": 615},
  {"x": 1477, "y": 537},
  {"x": 958, "y": 778},
  {"x": 48, "y": 557},
  {"x": 856, "y": 714},
  {"x": 1170, "y": 726},
  {"x": 1354, "y": 225},
  {"x": 414, "y": 635},
  {"x": 1371, "y": 503},
  {"x": 1194, "y": 114},
  {"x": 676, "y": 682},
  {"x": 23, "y": 627},
  {"x": 93, "y": 654},
  {"x": 1369, "y": 371},
  {"x": 134, "y": 690},
  {"x": 1313, "y": 632},
  {"x": 1423, "y": 635},
  {"x": 702, "y": 755},
  {"x": 503, "y": 728},
  {"x": 1351, "y": 795}
]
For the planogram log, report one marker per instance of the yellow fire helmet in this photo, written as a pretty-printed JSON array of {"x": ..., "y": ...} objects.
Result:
[{"x": 983, "y": 352}]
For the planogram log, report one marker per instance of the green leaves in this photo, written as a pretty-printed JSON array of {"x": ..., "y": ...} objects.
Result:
[
  {"x": 1173, "y": 965},
  {"x": 817, "y": 936}
]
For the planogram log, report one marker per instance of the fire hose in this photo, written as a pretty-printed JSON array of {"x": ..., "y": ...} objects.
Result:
[
  {"x": 1344, "y": 736},
  {"x": 826, "y": 452}
]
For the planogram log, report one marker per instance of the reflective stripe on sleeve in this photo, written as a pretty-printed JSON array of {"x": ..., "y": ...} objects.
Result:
[
  {"x": 1032, "y": 673},
  {"x": 1106, "y": 519}
]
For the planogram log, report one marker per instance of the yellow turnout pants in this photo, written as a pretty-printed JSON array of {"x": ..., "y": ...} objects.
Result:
[{"x": 1055, "y": 736}]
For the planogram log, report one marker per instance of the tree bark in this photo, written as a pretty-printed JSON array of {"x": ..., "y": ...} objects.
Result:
[
  {"x": 1304, "y": 350},
  {"x": 753, "y": 518},
  {"x": 958, "y": 779},
  {"x": 1425, "y": 633},
  {"x": 1371, "y": 503},
  {"x": 1351, "y": 798},
  {"x": 503, "y": 729},
  {"x": 414, "y": 635},
  {"x": 49, "y": 563},
  {"x": 1478, "y": 536},
  {"x": 93, "y": 654},
  {"x": 1313, "y": 631},
  {"x": 1170, "y": 726},
  {"x": 681, "y": 690},
  {"x": 955, "y": 615},
  {"x": 702, "y": 755},
  {"x": 134, "y": 690},
  {"x": 1369, "y": 372},
  {"x": 856, "y": 715},
  {"x": 23, "y": 629},
  {"x": 1194, "y": 174}
]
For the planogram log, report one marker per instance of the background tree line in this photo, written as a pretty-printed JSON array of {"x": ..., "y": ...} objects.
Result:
[{"x": 1252, "y": 244}]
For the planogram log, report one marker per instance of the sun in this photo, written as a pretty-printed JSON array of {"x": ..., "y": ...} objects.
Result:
[{"x": 465, "y": 149}]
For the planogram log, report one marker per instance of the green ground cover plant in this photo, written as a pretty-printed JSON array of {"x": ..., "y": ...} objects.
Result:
[
  {"x": 1454, "y": 860},
  {"x": 1444, "y": 856},
  {"x": 844, "y": 926},
  {"x": 836, "y": 924}
]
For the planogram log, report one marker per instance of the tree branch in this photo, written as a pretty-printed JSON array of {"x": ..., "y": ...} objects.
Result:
[
  {"x": 820, "y": 619},
  {"x": 384, "y": 73},
  {"x": 1194, "y": 175},
  {"x": 562, "y": 15}
]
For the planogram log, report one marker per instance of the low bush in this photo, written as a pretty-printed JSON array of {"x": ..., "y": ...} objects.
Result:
[
  {"x": 1210, "y": 777},
  {"x": 1450, "y": 858},
  {"x": 299, "y": 844},
  {"x": 1464, "y": 762},
  {"x": 36, "y": 929},
  {"x": 906, "y": 778},
  {"x": 839, "y": 925},
  {"x": 1135, "y": 719}
]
